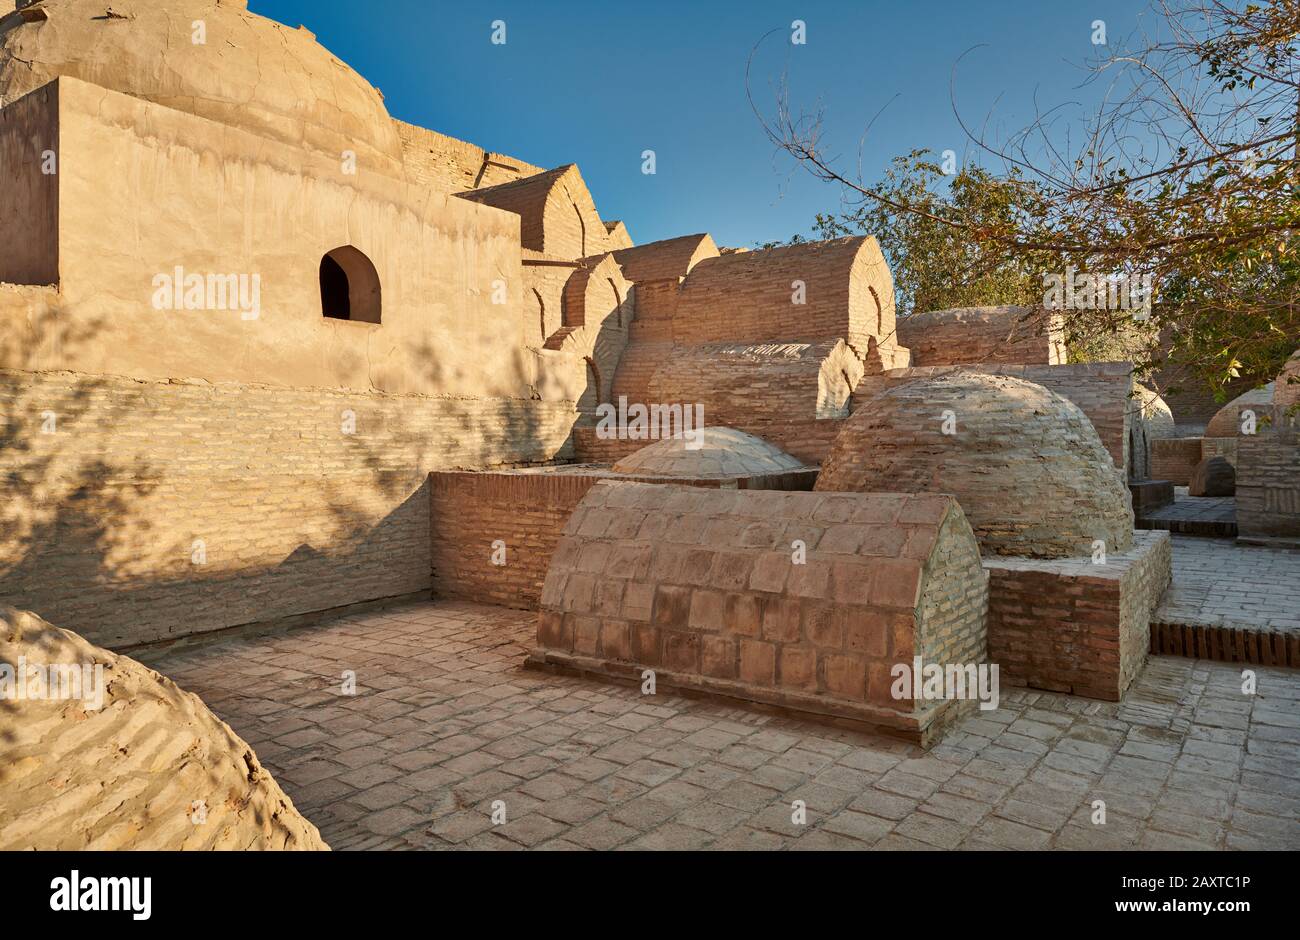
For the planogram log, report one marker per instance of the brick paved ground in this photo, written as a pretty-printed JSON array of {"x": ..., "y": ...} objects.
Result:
[
  {"x": 445, "y": 722},
  {"x": 1201, "y": 515},
  {"x": 1219, "y": 582}
]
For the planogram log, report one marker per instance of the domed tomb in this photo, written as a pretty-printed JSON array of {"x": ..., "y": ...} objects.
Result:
[
  {"x": 247, "y": 72},
  {"x": 103, "y": 753},
  {"x": 1150, "y": 419},
  {"x": 1227, "y": 420},
  {"x": 1025, "y": 463},
  {"x": 721, "y": 452}
]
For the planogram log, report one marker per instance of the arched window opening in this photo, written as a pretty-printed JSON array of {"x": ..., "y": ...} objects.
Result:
[{"x": 349, "y": 286}]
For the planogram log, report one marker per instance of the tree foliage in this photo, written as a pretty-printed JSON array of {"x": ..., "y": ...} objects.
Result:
[{"x": 1188, "y": 174}]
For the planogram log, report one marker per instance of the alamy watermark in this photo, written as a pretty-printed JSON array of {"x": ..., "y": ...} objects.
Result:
[
  {"x": 181, "y": 291},
  {"x": 26, "y": 681},
  {"x": 638, "y": 422},
  {"x": 1076, "y": 290},
  {"x": 931, "y": 681}
]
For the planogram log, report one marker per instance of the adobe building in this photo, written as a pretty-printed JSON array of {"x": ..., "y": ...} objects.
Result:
[{"x": 270, "y": 355}]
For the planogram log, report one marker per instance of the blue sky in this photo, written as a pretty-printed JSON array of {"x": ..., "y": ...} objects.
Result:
[{"x": 597, "y": 83}]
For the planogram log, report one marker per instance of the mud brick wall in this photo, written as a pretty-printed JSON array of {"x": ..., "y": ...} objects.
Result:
[
  {"x": 984, "y": 336},
  {"x": 1268, "y": 485},
  {"x": 99, "y": 520},
  {"x": 1174, "y": 459},
  {"x": 738, "y": 384},
  {"x": 747, "y": 297},
  {"x": 452, "y": 166},
  {"x": 1072, "y": 626},
  {"x": 700, "y": 586}
]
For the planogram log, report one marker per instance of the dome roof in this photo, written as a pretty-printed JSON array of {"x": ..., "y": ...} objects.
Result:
[
  {"x": 722, "y": 452},
  {"x": 1025, "y": 464},
  {"x": 137, "y": 764},
  {"x": 251, "y": 73},
  {"x": 1152, "y": 410},
  {"x": 1227, "y": 420}
]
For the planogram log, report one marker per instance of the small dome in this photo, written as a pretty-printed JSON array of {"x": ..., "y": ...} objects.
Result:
[
  {"x": 1155, "y": 414},
  {"x": 1025, "y": 464},
  {"x": 1227, "y": 420},
  {"x": 721, "y": 452},
  {"x": 249, "y": 72}
]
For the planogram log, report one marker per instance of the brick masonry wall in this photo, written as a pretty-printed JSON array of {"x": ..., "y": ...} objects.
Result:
[
  {"x": 99, "y": 520},
  {"x": 701, "y": 587},
  {"x": 1268, "y": 485},
  {"x": 1075, "y": 627},
  {"x": 670, "y": 259},
  {"x": 747, "y": 297},
  {"x": 761, "y": 383},
  {"x": 1225, "y": 447},
  {"x": 527, "y": 510},
  {"x": 983, "y": 336},
  {"x": 452, "y": 166},
  {"x": 1174, "y": 459}
]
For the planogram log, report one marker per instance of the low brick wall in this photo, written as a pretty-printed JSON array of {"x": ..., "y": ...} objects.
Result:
[
  {"x": 703, "y": 588},
  {"x": 526, "y": 511},
  {"x": 1268, "y": 486},
  {"x": 1174, "y": 459},
  {"x": 1068, "y": 625}
]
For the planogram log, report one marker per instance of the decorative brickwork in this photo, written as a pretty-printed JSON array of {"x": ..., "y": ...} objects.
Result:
[
  {"x": 703, "y": 588},
  {"x": 1026, "y": 464}
]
